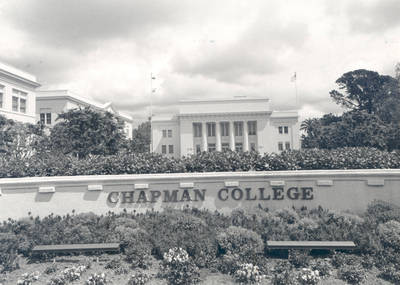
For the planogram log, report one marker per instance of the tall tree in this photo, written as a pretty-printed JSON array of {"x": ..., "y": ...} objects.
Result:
[
  {"x": 141, "y": 138},
  {"x": 85, "y": 131},
  {"x": 363, "y": 90}
]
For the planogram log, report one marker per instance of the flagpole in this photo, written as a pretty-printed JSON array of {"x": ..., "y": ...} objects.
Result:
[
  {"x": 151, "y": 111},
  {"x": 295, "y": 87}
]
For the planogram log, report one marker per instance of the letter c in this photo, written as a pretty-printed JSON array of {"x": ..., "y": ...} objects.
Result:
[
  {"x": 220, "y": 194},
  {"x": 113, "y": 197}
]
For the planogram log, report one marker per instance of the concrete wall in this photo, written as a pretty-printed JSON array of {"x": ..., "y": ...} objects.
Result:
[{"x": 334, "y": 189}]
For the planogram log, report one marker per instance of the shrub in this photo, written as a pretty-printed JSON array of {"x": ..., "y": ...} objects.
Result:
[
  {"x": 283, "y": 274},
  {"x": 323, "y": 267},
  {"x": 352, "y": 274},
  {"x": 245, "y": 243},
  {"x": 8, "y": 251},
  {"x": 136, "y": 246},
  {"x": 299, "y": 258},
  {"x": 139, "y": 278},
  {"x": 389, "y": 233},
  {"x": 28, "y": 278},
  {"x": 308, "y": 276},
  {"x": 391, "y": 274},
  {"x": 382, "y": 211},
  {"x": 248, "y": 273},
  {"x": 68, "y": 275},
  {"x": 97, "y": 279},
  {"x": 50, "y": 269},
  {"x": 178, "y": 268}
]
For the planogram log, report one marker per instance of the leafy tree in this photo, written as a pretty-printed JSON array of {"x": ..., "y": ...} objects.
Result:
[
  {"x": 84, "y": 131},
  {"x": 364, "y": 90},
  {"x": 141, "y": 138},
  {"x": 19, "y": 140}
]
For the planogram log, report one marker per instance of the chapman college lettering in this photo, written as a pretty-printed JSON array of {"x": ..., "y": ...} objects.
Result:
[{"x": 198, "y": 195}]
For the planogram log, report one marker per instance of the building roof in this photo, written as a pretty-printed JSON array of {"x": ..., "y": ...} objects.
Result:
[
  {"x": 67, "y": 94},
  {"x": 18, "y": 74}
]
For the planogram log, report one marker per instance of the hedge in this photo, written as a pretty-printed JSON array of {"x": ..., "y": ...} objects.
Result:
[{"x": 142, "y": 163}]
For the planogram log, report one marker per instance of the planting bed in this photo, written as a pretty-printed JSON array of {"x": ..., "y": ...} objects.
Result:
[{"x": 197, "y": 246}]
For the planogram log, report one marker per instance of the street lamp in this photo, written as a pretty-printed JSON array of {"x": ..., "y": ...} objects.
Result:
[{"x": 152, "y": 77}]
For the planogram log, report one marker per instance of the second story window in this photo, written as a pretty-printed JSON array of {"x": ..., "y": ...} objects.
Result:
[
  {"x": 170, "y": 133},
  {"x": 19, "y": 101},
  {"x": 224, "y": 129},
  {"x": 252, "y": 126},
  {"x": 211, "y": 129},
  {"x": 238, "y": 129},
  {"x": 283, "y": 129},
  {"x": 164, "y": 133},
  {"x": 197, "y": 130}
]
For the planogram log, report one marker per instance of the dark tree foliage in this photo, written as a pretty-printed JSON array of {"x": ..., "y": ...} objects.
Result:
[
  {"x": 364, "y": 90},
  {"x": 84, "y": 131},
  {"x": 374, "y": 118},
  {"x": 141, "y": 138}
]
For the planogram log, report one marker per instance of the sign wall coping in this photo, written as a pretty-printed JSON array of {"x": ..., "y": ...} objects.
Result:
[{"x": 141, "y": 178}]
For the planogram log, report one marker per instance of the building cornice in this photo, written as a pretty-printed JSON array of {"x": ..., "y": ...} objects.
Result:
[
  {"x": 10, "y": 76},
  {"x": 238, "y": 99},
  {"x": 251, "y": 114}
]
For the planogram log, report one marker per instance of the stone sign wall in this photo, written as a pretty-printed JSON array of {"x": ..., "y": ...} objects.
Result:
[{"x": 224, "y": 191}]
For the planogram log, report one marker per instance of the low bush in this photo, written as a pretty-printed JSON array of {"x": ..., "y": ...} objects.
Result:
[
  {"x": 139, "y": 278},
  {"x": 245, "y": 243},
  {"x": 136, "y": 245},
  {"x": 391, "y": 273},
  {"x": 389, "y": 234},
  {"x": 178, "y": 268},
  {"x": 353, "y": 274},
  {"x": 248, "y": 274},
  {"x": 299, "y": 258},
  {"x": 97, "y": 279},
  {"x": 308, "y": 276}
]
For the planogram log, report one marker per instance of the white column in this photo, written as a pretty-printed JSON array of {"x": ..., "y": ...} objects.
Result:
[
  {"x": 231, "y": 136},
  {"x": 245, "y": 137},
  {"x": 218, "y": 136},
  {"x": 204, "y": 136}
]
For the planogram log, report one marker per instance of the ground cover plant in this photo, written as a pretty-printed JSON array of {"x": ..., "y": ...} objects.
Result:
[{"x": 188, "y": 246}]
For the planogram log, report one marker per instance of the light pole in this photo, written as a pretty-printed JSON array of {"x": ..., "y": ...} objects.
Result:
[{"x": 152, "y": 77}]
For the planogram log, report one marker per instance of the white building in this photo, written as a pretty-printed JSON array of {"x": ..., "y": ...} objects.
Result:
[
  {"x": 17, "y": 94},
  {"x": 50, "y": 103},
  {"x": 239, "y": 124}
]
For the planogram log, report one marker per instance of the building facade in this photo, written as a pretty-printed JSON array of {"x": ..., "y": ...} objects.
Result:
[
  {"x": 17, "y": 94},
  {"x": 50, "y": 103},
  {"x": 238, "y": 124}
]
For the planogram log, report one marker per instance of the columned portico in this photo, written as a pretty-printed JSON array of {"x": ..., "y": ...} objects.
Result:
[
  {"x": 245, "y": 137},
  {"x": 218, "y": 136},
  {"x": 204, "y": 136},
  {"x": 231, "y": 136}
]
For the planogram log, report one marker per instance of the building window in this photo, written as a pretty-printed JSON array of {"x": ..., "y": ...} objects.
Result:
[
  {"x": 164, "y": 149},
  {"x": 225, "y": 146},
  {"x": 238, "y": 129},
  {"x": 171, "y": 148},
  {"x": 286, "y": 129},
  {"x": 239, "y": 147},
  {"x": 42, "y": 118},
  {"x": 252, "y": 127},
  {"x": 252, "y": 146},
  {"x": 224, "y": 129},
  {"x": 48, "y": 118},
  {"x": 1, "y": 95},
  {"x": 211, "y": 129},
  {"x": 170, "y": 133},
  {"x": 15, "y": 104},
  {"x": 280, "y": 130},
  {"x": 164, "y": 133},
  {"x": 198, "y": 149},
  {"x": 280, "y": 146},
  {"x": 197, "y": 130},
  {"x": 19, "y": 101},
  {"x": 211, "y": 147},
  {"x": 287, "y": 145},
  {"x": 22, "y": 105}
]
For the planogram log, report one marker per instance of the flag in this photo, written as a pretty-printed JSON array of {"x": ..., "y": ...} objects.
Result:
[{"x": 294, "y": 77}]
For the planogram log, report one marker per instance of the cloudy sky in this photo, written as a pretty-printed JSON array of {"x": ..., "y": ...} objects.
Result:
[{"x": 106, "y": 50}]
